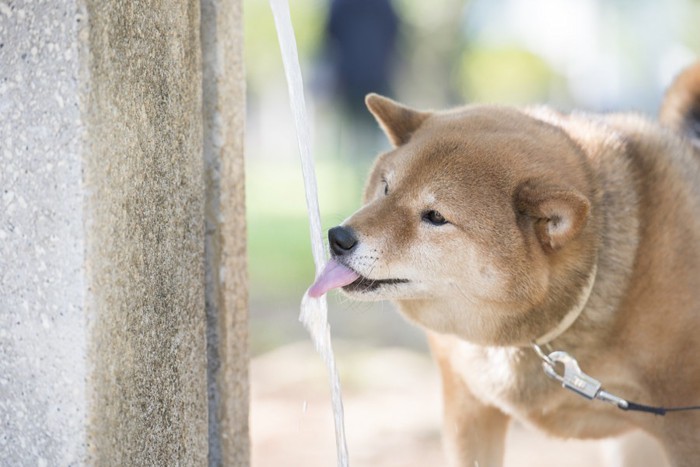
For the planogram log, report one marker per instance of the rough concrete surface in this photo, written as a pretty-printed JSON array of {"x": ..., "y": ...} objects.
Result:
[
  {"x": 42, "y": 280},
  {"x": 226, "y": 273},
  {"x": 145, "y": 208}
]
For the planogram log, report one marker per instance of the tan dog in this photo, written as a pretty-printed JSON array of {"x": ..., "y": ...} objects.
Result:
[{"x": 493, "y": 227}]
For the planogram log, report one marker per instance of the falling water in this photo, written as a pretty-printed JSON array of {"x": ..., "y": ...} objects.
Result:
[{"x": 314, "y": 311}]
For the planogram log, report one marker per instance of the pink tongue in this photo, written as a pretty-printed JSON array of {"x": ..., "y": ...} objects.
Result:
[{"x": 333, "y": 275}]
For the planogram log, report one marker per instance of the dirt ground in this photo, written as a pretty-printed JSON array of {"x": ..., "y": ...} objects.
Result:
[{"x": 392, "y": 416}]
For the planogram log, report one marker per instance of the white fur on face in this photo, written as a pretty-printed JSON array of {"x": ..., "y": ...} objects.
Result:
[{"x": 440, "y": 262}]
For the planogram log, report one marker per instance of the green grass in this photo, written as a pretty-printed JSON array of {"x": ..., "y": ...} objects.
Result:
[{"x": 280, "y": 255}]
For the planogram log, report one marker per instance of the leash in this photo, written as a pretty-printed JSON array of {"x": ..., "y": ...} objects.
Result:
[{"x": 584, "y": 385}]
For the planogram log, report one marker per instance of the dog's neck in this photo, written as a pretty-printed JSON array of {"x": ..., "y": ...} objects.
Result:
[{"x": 572, "y": 315}]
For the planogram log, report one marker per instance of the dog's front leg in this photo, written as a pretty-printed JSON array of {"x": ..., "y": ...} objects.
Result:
[
  {"x": 473, "y": 433},
  {"x": 474, "y": 436}
]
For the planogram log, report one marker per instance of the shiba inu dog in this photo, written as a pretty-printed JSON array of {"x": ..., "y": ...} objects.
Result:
[{"x": 494, "y": 228}]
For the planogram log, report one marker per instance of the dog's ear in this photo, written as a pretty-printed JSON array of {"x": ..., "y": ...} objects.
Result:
[
  {"x": 557, "y": 214},
  {"x": 397, "y": 121}
]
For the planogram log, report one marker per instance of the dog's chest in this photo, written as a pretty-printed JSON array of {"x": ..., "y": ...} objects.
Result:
[
  {"x": 504, "y": 377},
  {"x": 512, "y": 380}
]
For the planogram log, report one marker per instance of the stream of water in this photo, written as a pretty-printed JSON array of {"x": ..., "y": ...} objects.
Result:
[{"x": 314, "y": 311}]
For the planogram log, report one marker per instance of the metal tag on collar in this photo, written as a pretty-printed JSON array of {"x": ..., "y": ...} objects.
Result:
[
  {"x": 576, "y": 380},
  {"x": 573, "y": 379}
]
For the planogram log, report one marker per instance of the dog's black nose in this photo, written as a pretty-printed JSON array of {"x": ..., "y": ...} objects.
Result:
[{"x": 342, "y": 240}]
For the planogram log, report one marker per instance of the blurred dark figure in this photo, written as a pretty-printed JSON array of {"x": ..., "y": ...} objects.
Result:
[{"x": 361, "y": 39}]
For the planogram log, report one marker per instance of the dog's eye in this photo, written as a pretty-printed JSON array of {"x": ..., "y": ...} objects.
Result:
[
  {"x": 386, "y": 187},
  {"x": 434, "y": 217}
]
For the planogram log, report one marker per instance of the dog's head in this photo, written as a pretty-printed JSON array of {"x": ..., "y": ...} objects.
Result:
[{"x": 474, "y": 220}]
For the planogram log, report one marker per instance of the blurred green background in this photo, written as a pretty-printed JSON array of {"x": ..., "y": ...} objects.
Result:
[{"x": 597, "y": 55}]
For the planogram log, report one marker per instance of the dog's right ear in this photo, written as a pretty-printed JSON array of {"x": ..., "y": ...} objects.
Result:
[
  {"x": 397, "y": 121},
  {"x": 557, "y": 214}
]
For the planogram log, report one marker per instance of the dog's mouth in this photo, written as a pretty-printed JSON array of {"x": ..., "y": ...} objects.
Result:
[
  {"x": 337, "y": 275},
  {"x": 363, "y": 284}
]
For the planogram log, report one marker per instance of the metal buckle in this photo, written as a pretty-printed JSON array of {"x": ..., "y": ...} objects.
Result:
[{"x": 574, "y": 379}]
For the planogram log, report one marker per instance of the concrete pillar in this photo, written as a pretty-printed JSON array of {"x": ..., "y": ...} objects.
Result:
[
  {"x": 227, "y": 280},
  {"x": 114, "y": 149},
  {"x": 43, "y": 280},
  {"x": 145, "y": 237}
]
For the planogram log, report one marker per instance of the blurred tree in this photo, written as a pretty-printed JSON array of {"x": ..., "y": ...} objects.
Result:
[
  {"x": 430, "y": 46},
  {"x": 506, "y": 75},
  {"x": 262, "y": 57}
]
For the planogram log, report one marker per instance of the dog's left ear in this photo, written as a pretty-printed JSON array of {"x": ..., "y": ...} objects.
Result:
[
  {"x": 397, "y": 121},
  {"x": 557, "y": 214}
]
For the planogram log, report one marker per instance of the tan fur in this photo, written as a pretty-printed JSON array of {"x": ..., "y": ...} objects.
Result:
[
  {"x": 534, "y": 199},
  {"x": 681, "y": 106}
]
